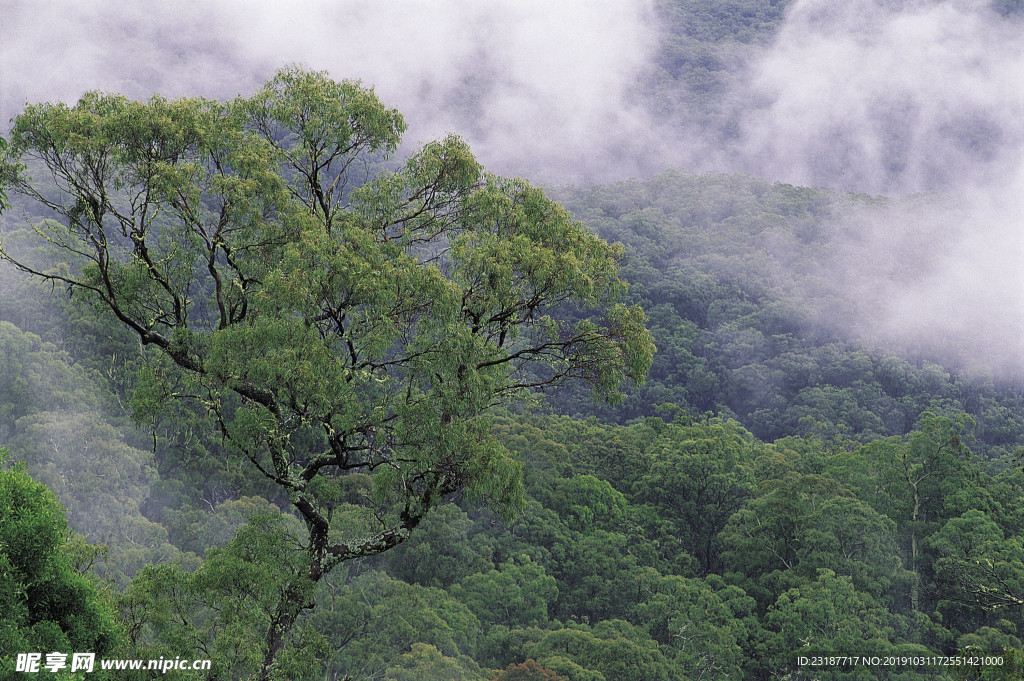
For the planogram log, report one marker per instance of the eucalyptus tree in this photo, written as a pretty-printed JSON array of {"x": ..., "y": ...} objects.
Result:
[{"x": 336, "y": 318}]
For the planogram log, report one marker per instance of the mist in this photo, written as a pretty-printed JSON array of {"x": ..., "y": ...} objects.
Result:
[
  {"x": 888, "y": 97},
  {"x": 537, "y": 87},
  {"x": 934, "y": 276},
  {"x": 899, "y": 98},
  {"x": 878, "y": 96}
]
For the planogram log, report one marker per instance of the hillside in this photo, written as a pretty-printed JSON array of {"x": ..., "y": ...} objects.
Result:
[
  {"x": 755, "y": 295},
  {"x": 316, "y": 406}
]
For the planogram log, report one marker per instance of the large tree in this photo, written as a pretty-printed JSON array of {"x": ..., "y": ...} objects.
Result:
[{"x": 335, "y": 317}]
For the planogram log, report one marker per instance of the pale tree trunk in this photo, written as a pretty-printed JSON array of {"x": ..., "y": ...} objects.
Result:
[{"x": 296, "y": 598}]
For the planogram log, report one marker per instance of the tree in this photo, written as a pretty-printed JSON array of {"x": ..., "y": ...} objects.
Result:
[
  {"x": 697, "y": 482},
  {"x": 515, "y": 595},
  {"x": 222, "y": 608},
  {"x": 824, "y": 617},
  {"x": 527, "y": 671},
  {"x": 425, "y": 663},
  {"x": 99, "y": 479},
  {"x": 46, "y": 602},
  {"x": 4, "y": 204},
  {"x": 916, "y": 476},
  {"x": 976, "y": 566},
  {"x": 613, "y": 649},
  {"x": 587, "y": 503},
  {"x": 373, "y": 620},
  {"x": 704, "y": 622},
  {"x": 336, "y": 319},
  {"x": 807, "y": 523},
  {"x": 446, "y": 548}
]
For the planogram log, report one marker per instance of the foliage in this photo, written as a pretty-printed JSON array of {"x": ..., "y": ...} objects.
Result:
[
  {"x": 48, "y": 601},
  {"x": 4, "y": 204},
  {"x": 425, "y": 662},
  {"x": 446, "y": 548},
  {"x": 697, "y": 483},
  {"x": 100, "y": 480},
  {"x": 529, "y": 670},
  {"x": 311, "y": 331},
  {"x": 513, "y": 595},
  {"x": 332, "y": 322},
  {"x": 735, "y": 276},
  {"x": 823, "y": 617},
  {"x": 372, "y": 620},
  {"x": 223, "y": 609}
]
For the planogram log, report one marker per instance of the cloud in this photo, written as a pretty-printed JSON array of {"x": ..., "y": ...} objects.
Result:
[
  {"x": 897, "y": 98},
  {"x": 538, "y": 87},
  {"x": 879, "y": 96},
  {"x": 887, "y": 97},
  {"x": 869, "y": 95},
  {"x": 934, "y": 276}
]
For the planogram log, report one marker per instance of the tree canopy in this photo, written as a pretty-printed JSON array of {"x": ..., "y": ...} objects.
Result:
[
  {"x": 46, "y": 599},
  {"x": 336, "y": 318},
  {"x": 281, "y": 350}
]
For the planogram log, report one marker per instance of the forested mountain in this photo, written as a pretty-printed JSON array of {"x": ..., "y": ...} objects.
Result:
[
  {"x": 362, "y": 420},
  {"x": 742, "y": 283}
]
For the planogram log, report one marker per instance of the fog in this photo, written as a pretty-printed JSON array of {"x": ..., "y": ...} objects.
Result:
[
  {"x": 897, "y": 98},
  {"x": 887, "y": 97},
  {"x": 879, "y": 96},
  {"x": 937, "y": 276},
  {"x": 537, "y": 87}
]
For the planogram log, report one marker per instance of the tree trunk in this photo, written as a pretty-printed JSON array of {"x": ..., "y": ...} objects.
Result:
[
  {"x": 296, "y": 598},
  {"x": 915, "y": 586}
]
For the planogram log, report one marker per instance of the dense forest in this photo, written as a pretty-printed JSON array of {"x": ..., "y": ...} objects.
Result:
[{"x": 273, "y": 397}]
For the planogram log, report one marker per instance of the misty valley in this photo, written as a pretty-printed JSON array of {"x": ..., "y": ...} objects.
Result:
[{"x": 289, "y": 394}]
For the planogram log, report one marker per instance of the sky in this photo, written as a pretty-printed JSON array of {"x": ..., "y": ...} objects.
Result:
[{"x": 894, "y": 97}]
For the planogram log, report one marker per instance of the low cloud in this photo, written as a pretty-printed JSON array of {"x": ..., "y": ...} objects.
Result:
[
  {"x": 899, "y": 98},
  {"x": 937, "y": 277},
  {"x": 538, "y": 87},
  {"x": 888, "y": 97}
]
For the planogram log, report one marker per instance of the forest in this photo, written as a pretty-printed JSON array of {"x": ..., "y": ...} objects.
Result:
[{"x": 276, "y": 396}]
